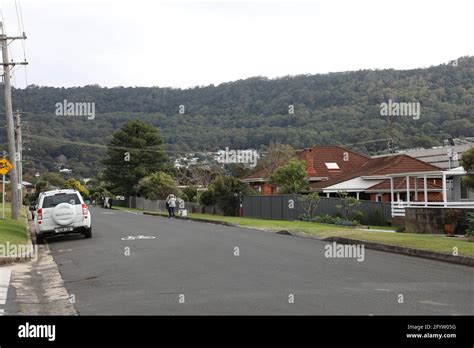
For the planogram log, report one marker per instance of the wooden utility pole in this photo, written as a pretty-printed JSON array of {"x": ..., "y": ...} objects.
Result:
[
  {"x": 19, "y": 159},
  {"x": 12, "y": 153}
]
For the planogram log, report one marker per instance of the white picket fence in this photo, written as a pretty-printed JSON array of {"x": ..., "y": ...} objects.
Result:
[{"x": 398, "y": 208}]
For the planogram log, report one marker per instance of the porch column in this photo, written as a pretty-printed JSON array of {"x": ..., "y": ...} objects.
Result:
[
  {"x": 391, "y": 190},
  {"x": 327, "y": 194},
  {"x": 416, "y": 188},
  {"x": 425, "y": 190},
  {"x": 444, "y": 190},
  {"x": 357, "y": 195},
  {"x": 408, "y": 189}
]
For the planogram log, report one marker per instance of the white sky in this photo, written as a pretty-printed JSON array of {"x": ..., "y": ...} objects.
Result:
[{"x": 189, "y": 43}]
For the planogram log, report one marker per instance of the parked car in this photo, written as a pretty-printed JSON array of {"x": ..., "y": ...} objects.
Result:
[{"x": 61, "y": 212}]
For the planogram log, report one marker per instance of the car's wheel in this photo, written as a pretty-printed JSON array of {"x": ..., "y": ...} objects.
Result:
[
  {"x": 88, "y": 233},
  {"x": 39, "y": 239}
]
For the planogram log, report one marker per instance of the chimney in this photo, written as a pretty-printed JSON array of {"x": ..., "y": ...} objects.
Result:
[{"x": 309, "y": 159}]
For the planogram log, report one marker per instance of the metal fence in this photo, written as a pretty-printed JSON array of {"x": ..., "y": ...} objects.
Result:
[
  {"x": 160, "y": 206},
  {"x": 288, "y": 207}
]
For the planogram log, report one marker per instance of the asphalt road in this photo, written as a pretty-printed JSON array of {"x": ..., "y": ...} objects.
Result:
[{"x": 195, "y": 263}]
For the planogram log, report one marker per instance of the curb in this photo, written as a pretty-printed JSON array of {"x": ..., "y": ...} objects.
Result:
[
  {"x": 29, "y": 243},
  {"x": 215, "y": 222},
  {"x": 432, "y": 255},
  {"x": 461, "y": 260}
]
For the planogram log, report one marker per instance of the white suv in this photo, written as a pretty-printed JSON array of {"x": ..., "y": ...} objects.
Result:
[{"x": 61, "y": 212}]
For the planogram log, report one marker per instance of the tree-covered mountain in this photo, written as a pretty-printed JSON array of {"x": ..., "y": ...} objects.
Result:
[{"x": 335, "y": 108}]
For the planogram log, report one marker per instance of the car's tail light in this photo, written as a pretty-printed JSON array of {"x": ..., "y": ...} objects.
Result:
[
  {"x": 84, "y": 210},
  {"x": 39, "y": 213}
]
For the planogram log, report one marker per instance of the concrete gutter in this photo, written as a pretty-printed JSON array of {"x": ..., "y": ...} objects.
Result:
[
  {"x": 461, "y": 260},
  {"x": 215, "y": 222},
  {"x": 432, "y": 255},
  {"x": 29, "y": 244}
]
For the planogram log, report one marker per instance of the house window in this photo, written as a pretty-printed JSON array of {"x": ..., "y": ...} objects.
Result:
[
  {"x": 332, "y": 165},
  {"x": 464, "y": 190},
  {"x": 378, "y": 197}
]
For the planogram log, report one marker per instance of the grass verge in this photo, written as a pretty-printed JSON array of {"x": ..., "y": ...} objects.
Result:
[{"x": 10, "y": 230}]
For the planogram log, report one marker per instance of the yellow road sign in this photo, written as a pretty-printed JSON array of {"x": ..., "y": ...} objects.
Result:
[{"x": 5, "y": 166}]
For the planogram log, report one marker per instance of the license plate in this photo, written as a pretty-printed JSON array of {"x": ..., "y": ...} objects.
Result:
[{"x": 63, "y": 229}]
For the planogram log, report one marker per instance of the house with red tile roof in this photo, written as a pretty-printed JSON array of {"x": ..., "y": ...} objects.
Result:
[
  {"x": 332, "y": 169},
  {"x": 322, "y": 163},
  {"x": 371, "y": 182}
]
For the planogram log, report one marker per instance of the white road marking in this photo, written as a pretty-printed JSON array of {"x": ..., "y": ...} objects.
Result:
[
  {"x": 132, "y": 212},
  {"x": 138, "y": 237},
  {"x": 5, "y": 276},
  {"x": 433, "y": 303},
  {"x": 3, "y": 295},
  {"x": 382, "y": 289}
]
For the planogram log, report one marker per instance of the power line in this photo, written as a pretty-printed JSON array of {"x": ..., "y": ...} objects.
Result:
[
  {"x": 21, "y": 26},
  {"x": 160, "y": 150}
]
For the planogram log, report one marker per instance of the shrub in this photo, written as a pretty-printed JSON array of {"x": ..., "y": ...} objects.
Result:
[
  {"x": 470, "y": 220},
  {"x": 358, "y": 217},
  {"x": 207, "y": 198},
  {"x": 190, "y": 194},
  {"x": 309, "y": 204},
  {"x": 228, "y": 191},
  {"x": 347, "y": 206}
]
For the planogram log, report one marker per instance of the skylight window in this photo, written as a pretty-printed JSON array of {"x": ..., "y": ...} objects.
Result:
[{"x": 332, "y": 165}]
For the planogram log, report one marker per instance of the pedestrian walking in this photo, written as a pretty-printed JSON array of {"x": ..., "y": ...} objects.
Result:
[
  {"x": 110, "y": 202},
  {"x": 171, "y": 204}
]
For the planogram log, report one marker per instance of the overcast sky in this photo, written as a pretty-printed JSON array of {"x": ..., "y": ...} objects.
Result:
[{"x": 188, "y": 43}]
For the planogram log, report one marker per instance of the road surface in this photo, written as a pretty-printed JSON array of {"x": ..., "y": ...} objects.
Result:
[{"x": 192, "y": 268}]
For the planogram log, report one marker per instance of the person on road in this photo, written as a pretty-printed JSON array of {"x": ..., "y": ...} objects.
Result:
[
  {"x": 102, "y": 201},
  {"x": 110, "y": 202},
  {"x": 171, "y": 201}
]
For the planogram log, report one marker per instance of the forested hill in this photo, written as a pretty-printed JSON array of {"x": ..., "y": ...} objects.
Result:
[{"x": 335, "y": 108}]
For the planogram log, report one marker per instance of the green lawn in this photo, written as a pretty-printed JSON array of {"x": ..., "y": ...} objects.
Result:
[
  {"x": 437, "y": 243},
  {"x": 10, "y": 230}
]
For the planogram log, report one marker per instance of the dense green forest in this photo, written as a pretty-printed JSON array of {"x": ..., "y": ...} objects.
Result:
[{"x": 335, "y": 108}]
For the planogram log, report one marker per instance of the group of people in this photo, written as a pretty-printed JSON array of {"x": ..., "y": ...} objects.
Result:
[
  {"x": 104, "y": 202},
  {"x": 171, "y": 204}
]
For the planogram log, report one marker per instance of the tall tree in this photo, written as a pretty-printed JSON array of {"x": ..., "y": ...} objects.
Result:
[
  {"x": 134, "y": 152},
  {"x": 467, "y": 161},
  {"x": 276, "y": 155},
  {"x": 158, "y": 186},
  {"x": 76, "y": 185},
  {"x": 291, "y": 178},
  {"x": 227, "y": 192}
]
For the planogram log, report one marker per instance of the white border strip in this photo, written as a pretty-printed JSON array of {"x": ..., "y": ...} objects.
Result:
[{"x": 5, "y": 275}]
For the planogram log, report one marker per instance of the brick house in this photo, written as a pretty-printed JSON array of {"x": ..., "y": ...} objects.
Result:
[
  {"x": 370, "y": 180},
  {"x": 322, "y": 163},
  {"x": 332, "y": 169}
]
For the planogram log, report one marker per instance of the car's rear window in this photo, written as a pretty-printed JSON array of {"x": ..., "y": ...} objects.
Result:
[{"x": 52, "y": 201}]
